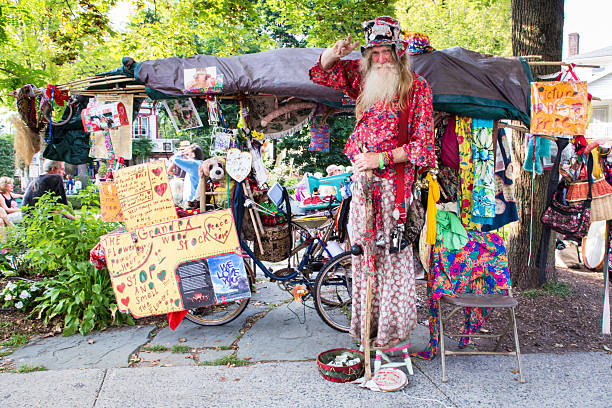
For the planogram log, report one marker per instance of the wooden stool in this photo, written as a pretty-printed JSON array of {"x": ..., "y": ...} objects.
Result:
[
  {"x": 381, "y": 355},
  {"x": 474, "y": 300}
]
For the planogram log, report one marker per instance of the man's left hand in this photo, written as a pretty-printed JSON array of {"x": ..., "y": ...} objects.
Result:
[{"x": 367, "y": 161}]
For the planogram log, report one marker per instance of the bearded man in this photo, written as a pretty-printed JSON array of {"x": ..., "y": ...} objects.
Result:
[{"x": 385, "y": 89}]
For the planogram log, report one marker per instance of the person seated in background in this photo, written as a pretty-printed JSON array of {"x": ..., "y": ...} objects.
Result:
[
  {"x": 8, "y": 201},
  {"x": 51, "y": 181}
]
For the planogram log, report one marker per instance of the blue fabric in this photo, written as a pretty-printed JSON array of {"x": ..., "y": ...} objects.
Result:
[
  {"x": 505, "y": 204},
  {"x": 191, "y": 168},
  {"x": 542, "y": 150},
  {"x": 483, "y": 195}
]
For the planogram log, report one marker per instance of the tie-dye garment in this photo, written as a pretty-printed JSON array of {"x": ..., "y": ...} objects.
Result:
[
  {"x": 479, "y": 267},
  {"x": 483, "y": 159}
]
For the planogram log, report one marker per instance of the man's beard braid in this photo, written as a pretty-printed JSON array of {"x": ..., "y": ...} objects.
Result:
[{"x": 381, "y": 84}]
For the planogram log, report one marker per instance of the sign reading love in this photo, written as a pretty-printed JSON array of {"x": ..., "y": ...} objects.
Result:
[{"x": 238, "y": 164}]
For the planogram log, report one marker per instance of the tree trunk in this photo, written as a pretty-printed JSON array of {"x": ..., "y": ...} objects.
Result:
[{"x": 537, "y": 29}]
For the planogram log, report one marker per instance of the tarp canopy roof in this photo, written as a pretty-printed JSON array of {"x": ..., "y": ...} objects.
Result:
[{"x": 463, "y": 82}]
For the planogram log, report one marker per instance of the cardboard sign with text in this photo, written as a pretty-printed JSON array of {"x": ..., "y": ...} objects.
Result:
[
  {"x": 110, "y": 208},
  {"x": 144, "y": 194},
  {"x": 558, "y": 108},
  {"x": 176, "y": 265}
]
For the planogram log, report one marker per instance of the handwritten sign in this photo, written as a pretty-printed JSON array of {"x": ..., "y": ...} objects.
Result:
[
  {"x": 558, "y": 108},
  {"x": 144, "y": 194},
  {"x": 177, "y": 265},
  {"x": 110, "y": 208},
  {"x": 238, "y": 164}
]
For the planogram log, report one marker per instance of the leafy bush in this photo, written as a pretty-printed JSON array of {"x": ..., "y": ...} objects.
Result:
[
  {"x": 84, "y": 296},
  {"x": 20, "y": 294},
  {"x": 58, "y": 248},
  {"x": 74, "y": 202},
  {"x": 7, "y": 164}
]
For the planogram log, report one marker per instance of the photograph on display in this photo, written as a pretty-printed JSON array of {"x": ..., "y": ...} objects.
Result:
[
  {"x": 202, "y": 80},
  {"x": 183, "y": 114}
]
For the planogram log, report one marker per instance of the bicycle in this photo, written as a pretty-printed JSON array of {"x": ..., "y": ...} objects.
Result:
[{"x": 326, "y": 277}]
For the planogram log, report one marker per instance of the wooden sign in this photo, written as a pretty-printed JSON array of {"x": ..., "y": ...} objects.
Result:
[
  {"x": 110, "y": 208},
  {"x": 144, "y": 195},
  {"x": 177, "y": 265},
  {"x": 238, "y": 164},
  {"x": 558, "y": 108}
]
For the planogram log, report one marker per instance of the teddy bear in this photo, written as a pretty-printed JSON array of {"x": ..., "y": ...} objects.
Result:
[{"x": 216, "y": 185}]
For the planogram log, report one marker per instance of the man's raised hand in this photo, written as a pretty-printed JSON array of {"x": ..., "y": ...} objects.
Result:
[{"x": 342, "y": 48}]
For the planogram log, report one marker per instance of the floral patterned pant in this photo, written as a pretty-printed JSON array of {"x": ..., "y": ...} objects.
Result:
[{"x": 394, "y": 313}]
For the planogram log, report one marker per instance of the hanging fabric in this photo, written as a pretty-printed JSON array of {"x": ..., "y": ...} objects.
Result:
[
  {"x": 320, "y": 135},
  {"x": 505, "y": 204},
  {"x": 483, "y": 156},
  {"x": 463, "y": 128}
]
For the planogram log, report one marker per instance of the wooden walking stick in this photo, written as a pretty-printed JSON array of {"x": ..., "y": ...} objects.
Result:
[{"x": 368, "y": 253}]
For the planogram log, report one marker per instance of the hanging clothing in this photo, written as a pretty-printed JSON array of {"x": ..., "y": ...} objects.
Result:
[
  {"x": 463, "y": 128},
  {"x": 542, "y": 151},
  {"x": 450, "y": 231},
  {"x": 505, "y": 204},
  {"x": 479, "y": 267},
  {"x": 393, "y": 305},
  {"x": 191, "y": 167},
  {"x": 483, "y": 156}
]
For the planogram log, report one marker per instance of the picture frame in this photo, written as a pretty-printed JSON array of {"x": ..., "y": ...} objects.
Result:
[{"x": 183, "y": 114}]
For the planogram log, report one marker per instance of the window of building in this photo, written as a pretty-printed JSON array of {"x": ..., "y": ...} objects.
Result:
[
  {"x": 140, "y": 127},
  {"x": 600, "y": 114}
]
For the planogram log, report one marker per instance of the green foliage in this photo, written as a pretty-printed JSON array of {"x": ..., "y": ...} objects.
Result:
[
  {"x": 7, "y": 164},
  {"x": 157, "y": 347},
  {"x": 15, "y": 341},
  {"x": 30, "y": 369},
  {"x": 20, "y": 294},
  {"x": 142, "y": 148},
  {"x": 484, "y": 25},
  {"x": 560, "y": 289},
  {"x": 297, "y": 146},
  {"x": 180, "y": 348},
  {"x": 229, "y": 360}
]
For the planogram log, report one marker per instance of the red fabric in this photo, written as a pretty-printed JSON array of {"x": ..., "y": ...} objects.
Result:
[
  {"x": 449, "y": 154},
  {"x": 59, "y": 96},
  {"x": 175, "y": 318}
]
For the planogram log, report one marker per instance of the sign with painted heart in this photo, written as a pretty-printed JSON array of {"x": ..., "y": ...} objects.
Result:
[
  {"x": 238, "y": 164},
  {"x": 177, "y": 265},
  {"x": 144, "y": 194}
]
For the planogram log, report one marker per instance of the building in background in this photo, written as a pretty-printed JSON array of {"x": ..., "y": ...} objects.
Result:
[
  {"x": 146, "y": 126},
  {"x": 599, "y": 84}
]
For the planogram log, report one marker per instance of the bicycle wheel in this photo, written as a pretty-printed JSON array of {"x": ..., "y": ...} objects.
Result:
[
  {"x": 216, "y": 315},
  {"x": 333, "y": 292}
]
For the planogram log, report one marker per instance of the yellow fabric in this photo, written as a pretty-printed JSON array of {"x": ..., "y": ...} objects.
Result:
[
  {"x": 596, "y": 166},
  {"x": 432, "y": 200},
  {"x": 463, "y": 128}
]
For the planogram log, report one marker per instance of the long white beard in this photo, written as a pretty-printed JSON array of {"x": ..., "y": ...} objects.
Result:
[{"x": 381, "y": 84}]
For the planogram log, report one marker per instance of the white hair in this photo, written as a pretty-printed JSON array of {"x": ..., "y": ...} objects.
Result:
[{"x": 50, "y": 164}]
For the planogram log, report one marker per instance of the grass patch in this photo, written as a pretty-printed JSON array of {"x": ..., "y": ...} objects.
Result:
[
  {"x": 230, "y": 360},
  {"x": 560, "y": 289},
  {"x": 157, "y": 347},
  {"x": 29, "y": 369},
  {"x": 7, "y": 324},
  {"x": 5, "y": 353},
  {"x": 16, "y": 340},
  {"x": 224, "y": 348},
  {"x": 180, "y": 348}
]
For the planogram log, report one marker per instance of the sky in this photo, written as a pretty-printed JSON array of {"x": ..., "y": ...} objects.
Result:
[{"x": 592, "y": 20}]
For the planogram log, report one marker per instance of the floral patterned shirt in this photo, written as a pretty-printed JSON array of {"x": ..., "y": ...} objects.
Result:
[{"x": 378, "y": 127}]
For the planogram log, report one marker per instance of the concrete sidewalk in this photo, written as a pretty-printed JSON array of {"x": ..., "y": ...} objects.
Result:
[{"x": 144, "y": 367}]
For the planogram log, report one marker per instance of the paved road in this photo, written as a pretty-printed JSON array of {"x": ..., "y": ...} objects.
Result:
[{"x": 118, "y": 368}]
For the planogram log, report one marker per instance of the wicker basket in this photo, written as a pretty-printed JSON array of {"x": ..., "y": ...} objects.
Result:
[
  {"x": 276, "y": 243},
  {"x": 339, "y": 374}
]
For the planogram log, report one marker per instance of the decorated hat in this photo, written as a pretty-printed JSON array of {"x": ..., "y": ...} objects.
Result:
[
  {"x": 417, "y": 43},
  {"x": 383, "y": 30}
]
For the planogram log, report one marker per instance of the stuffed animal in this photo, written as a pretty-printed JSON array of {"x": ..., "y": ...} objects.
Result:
[{"x": 217, "y": 187}]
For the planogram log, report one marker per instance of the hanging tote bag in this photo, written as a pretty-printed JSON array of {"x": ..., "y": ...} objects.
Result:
[
  {"x": 601, "y": 203},
  {"x": 571, "y": 221}
]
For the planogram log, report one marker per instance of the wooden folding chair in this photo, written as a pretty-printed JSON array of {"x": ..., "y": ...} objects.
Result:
[{"x": 475, "y": 300}]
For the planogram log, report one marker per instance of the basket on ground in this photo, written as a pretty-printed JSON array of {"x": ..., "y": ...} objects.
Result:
[{"x": 340, "y": 374}]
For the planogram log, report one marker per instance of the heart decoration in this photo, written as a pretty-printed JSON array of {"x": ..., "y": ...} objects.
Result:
[
  {"x": 121, "y": 287},
  {"x": 238, "y": 164},
  {"x": 125, "y": 301},
  {"x": 218, "y": 228},
  {"x": 176, "y": 302},
  {"x": 157, "y": 171},
  {"x": 161, "y": 188},
  {"x": 161, "y": 275}
]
